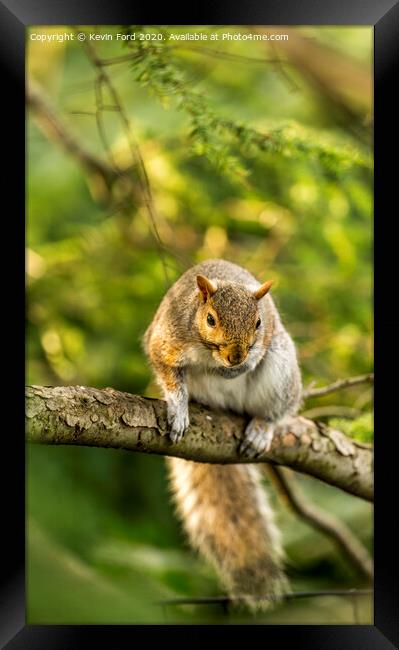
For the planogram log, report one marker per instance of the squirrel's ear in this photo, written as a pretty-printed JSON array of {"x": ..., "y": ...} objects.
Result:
[
  {"x": 263, "y": 289},
  {"x": 206, "y": 287}
]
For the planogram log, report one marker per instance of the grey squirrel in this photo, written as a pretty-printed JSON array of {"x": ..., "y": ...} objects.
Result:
[{"x": 217, "y": 339}]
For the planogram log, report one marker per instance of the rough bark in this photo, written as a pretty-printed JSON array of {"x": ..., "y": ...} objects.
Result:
[{"x": 77, "y": 415}]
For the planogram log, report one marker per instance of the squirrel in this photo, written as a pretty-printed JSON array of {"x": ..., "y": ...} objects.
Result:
[{"x": 217, "y": 339}]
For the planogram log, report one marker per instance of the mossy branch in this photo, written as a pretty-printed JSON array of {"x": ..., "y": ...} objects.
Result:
[{"x": 77, "y": 415}]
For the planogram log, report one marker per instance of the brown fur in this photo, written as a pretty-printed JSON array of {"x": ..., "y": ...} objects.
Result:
[
  {"x": 182, "y": 315},
  {"x": 227, "y": 517},
  {"x": 224, "y": 509}
]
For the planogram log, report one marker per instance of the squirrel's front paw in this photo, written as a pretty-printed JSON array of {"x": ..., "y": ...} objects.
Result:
[
  {"x": 258, "y": 438},
  {"x": 178, "y": 421}
]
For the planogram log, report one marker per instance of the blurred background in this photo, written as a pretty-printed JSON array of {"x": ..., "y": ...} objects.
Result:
[{"x": 143, "y": 158}]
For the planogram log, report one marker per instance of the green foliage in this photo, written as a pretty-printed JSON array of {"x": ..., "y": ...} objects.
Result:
[
  {"x": 155, "y": 66},
  {"x": 360, "y": 428},
  {"x": 242, "y": 167}
]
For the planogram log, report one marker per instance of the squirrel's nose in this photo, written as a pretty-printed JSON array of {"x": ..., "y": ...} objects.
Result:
[{"x": 234, "y": 358}]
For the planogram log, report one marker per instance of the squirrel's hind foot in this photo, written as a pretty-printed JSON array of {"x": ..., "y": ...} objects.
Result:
[{"x": 258, "y": 438}]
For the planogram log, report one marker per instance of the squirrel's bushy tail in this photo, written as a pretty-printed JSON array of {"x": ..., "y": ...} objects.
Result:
[{"x": 226, "y": 514}]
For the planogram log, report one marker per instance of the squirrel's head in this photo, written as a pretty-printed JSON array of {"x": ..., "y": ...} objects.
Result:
[{"x": 230, "y": 319}]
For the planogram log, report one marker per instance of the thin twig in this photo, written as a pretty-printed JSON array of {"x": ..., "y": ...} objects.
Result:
[
  {"x": 147, "y": 197},
  {"x": 338, "y": 385},
  {"x": 324, "y": 521},
  {"x": 221, "y": 600},
  {"x": 280, "y": 70},
  {"x": 55, "y": 129},
  {"x": 100, "y": 123}
]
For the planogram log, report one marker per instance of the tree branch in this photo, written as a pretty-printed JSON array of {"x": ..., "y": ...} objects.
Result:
[
  {"x": 338, "y": 385},
  {"x": 56, "y": 130},
  {"x": 76, "y": 415},
  {"x": 322, "y": 520}
]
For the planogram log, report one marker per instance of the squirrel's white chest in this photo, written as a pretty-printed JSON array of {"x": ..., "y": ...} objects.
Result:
[
  {"x": 217, "y": 392},
  {"x": 248, "y": 393}
]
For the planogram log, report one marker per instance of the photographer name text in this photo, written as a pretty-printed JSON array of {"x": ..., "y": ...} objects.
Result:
[{"x": 156, "y": 36}]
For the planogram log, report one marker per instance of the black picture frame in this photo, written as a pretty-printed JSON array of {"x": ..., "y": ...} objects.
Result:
[{"x": 15, "y": 16}]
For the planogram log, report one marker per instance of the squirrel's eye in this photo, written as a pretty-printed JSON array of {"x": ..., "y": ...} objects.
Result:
[
  {"x": 210, "y": 320},
  {"x": 258, "y": 323}
]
